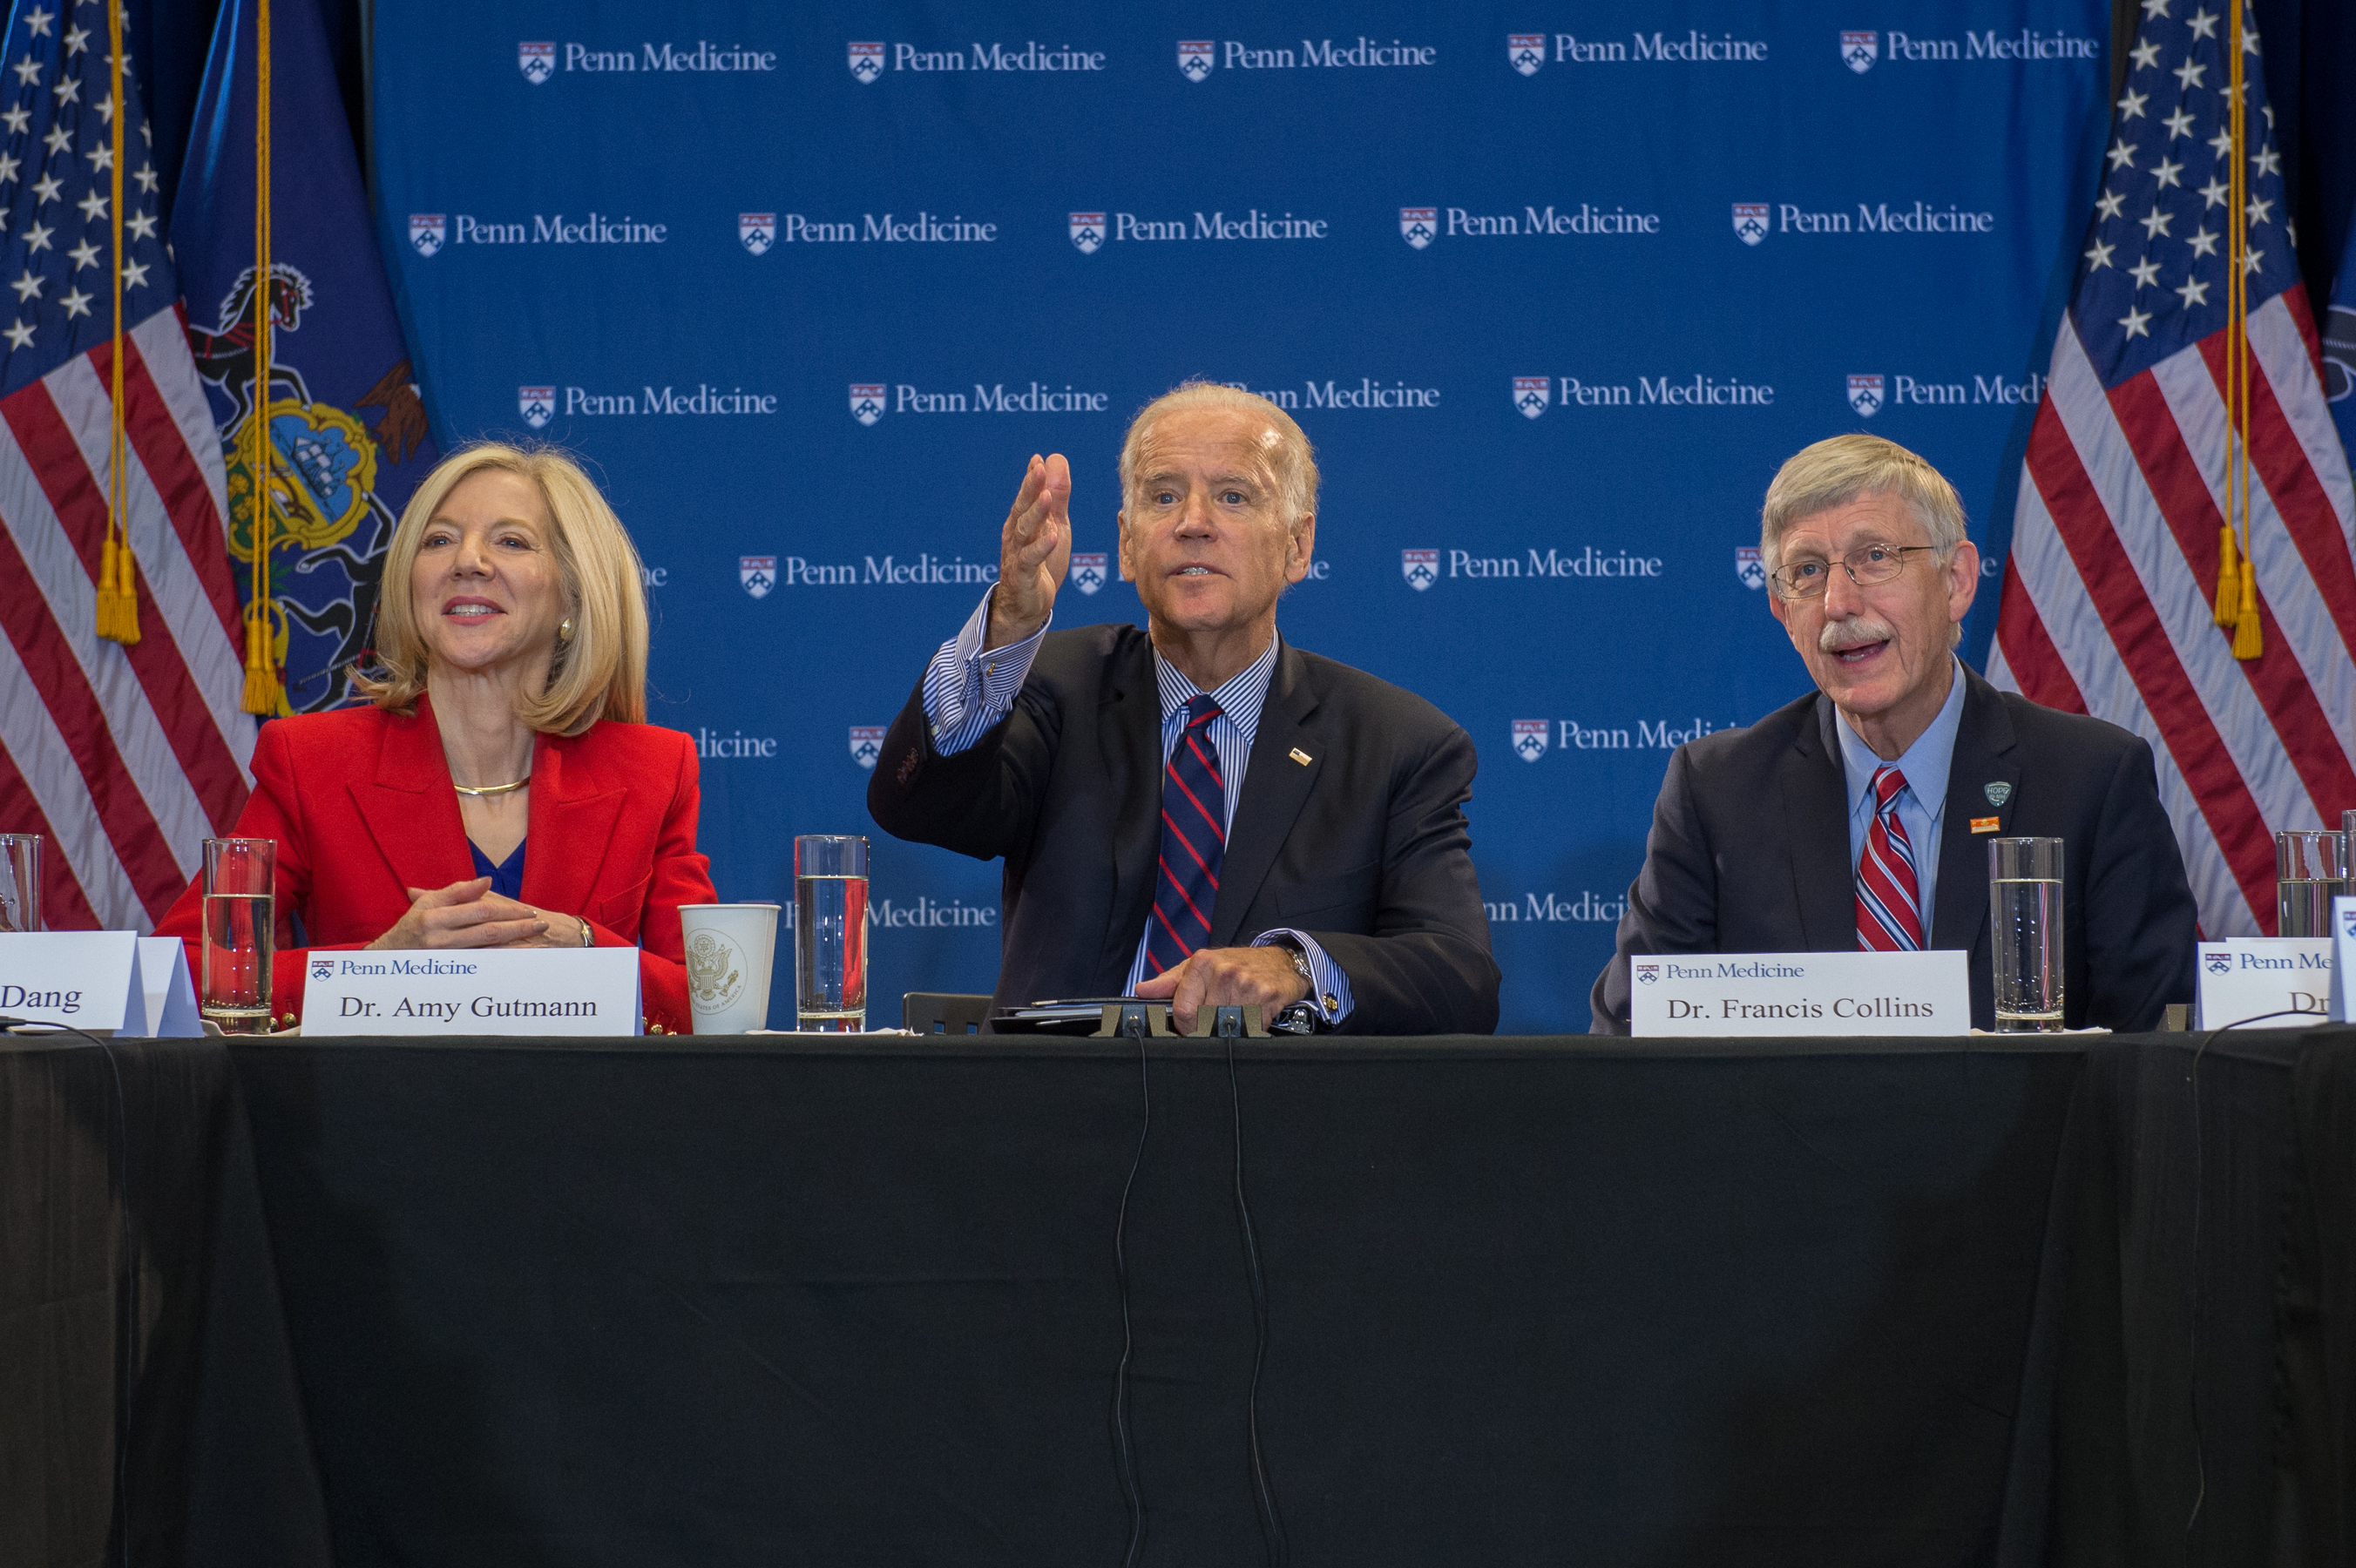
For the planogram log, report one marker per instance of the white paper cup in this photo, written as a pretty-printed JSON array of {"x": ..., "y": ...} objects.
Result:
[{"x": 730, "y": 948}]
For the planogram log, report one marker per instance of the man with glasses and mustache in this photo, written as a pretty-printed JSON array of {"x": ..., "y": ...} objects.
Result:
[{"x": 1855, "y": 817}]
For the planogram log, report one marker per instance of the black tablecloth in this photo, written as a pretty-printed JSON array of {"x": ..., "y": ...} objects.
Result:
[{"x": 2084, "y": 1300}]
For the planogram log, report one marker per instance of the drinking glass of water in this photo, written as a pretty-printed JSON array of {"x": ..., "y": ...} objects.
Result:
[
  {"x": 830, "y": 933},
  {"x": 241, "y": 925},
  {"x": 2310, "y": 871},
  {"x": 2025, "y": 906},
  {"x": 20, "y": 881}
]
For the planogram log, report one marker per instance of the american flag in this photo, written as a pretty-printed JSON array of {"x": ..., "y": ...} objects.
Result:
[
  {"x": 2109, "y": 608},
  {"x": 124, "y": 758}
]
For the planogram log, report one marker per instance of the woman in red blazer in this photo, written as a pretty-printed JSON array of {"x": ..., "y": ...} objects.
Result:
[{"x": 504, "y": 790}]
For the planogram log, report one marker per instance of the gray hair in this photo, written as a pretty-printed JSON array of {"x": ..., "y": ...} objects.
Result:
[
  {"x": 1291, "y": 462},
  {"x": 1841, "y": 469}
]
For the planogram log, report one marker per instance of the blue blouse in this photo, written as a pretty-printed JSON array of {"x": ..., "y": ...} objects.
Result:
[{"x": 507, "y": 881}]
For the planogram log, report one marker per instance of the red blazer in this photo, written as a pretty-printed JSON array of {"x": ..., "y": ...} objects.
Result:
[{"x": 360, "y": 803}]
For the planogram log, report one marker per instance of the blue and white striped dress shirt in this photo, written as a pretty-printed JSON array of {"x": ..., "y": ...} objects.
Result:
[{"x": 967, "y": 690}]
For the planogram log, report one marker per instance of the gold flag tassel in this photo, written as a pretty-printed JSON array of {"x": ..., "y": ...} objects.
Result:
[
  {"x": 2244, "y": 617},
  {"x": 2228, "y": 573},
  {"x": 118, "y": 591},
  {"x": 263, "y": 688}
]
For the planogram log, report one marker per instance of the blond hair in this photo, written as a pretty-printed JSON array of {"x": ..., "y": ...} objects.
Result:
[
  {"x": 1842, "y": 468},
  {"x": 1291, "y": 460},
  {"x": 600, "y": 671}
]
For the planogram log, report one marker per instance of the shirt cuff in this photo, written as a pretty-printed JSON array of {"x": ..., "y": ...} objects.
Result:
[
  {"x": 1329, "y": 988},
  {"x": 967, "y": 690}
]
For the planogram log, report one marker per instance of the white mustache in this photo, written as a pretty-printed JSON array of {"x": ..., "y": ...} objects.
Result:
[{"x": 1855, "y": 631}]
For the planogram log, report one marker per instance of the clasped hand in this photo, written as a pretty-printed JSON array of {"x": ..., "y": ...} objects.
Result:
[
  {"x": 468, "y": 914},
  {"x": 1226, "y": 977}
]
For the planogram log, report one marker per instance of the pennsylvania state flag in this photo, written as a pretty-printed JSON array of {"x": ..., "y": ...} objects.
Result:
[{"x": 342, "y": 409}]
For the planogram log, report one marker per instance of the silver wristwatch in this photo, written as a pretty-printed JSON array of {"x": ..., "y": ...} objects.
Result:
[{"x": 1300, "y": 1017}]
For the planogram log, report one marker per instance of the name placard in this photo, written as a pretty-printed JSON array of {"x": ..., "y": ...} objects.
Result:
[
  {"x": 2343, "y": 941},
  {"x": 171, "y": 995},
  {"x": 89, "y": 980},
  {"x": 495, "y": 990},
  {"x": 1799, "y": 994},
  {"x": 2249, "y": 976}
]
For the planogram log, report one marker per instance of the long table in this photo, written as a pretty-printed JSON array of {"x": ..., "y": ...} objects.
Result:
[{"x": 774, "y": 1300}]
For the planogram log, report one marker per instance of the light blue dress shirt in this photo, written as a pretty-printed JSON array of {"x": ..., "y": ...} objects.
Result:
[
  {"x": 967, "y": 690},
  {"x": 1921, "y": 804}
]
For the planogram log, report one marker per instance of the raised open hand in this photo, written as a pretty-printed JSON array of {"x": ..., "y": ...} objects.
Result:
[{"x": 1034, "y": 551}]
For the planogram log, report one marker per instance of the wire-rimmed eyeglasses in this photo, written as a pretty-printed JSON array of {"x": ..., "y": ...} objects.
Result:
[{"x": 1808, "y": 577}]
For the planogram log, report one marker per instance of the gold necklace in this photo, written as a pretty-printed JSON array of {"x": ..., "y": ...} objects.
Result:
[{"x": 480, "y": 790}]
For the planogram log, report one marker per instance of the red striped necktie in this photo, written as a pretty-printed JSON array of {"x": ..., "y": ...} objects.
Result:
[
  {"x": 1193, "y": 840},
  {"x": 1889, "y": 895}
]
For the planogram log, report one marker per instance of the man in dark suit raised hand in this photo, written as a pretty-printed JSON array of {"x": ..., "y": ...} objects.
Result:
[
  {"x": 1855, "y": 817},
  {"x": 1197, "y": 811}
]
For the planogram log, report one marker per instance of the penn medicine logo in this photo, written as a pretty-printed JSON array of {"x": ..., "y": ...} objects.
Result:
[
  {"x": 867, "y": 401},
  {"x": 537, "y": 62},
  {"x": 1859, "y": 50},
  {"x": 866, "y": 61},
  {"x": 866, "y": 743},
  {"x": 537, "y": 404},
  {"x": 758, "y": 574},
  {"x": 1088, "y": 230},
  {"x": 1749, "y": 567},
  {"x": 1865, "y": 394},
  {"x": 1420, "y": 567},
  {"x": 1750, "y": 222},
  {"x": 1527, "y": 52},
  {"x": 1531, "y": 394},
  {"x": 758, "y": 231},
  {"x": 1195, "y": 58},
  {"x": 427, "y": 230},
  {"x": 1087, "y": 570},
  {"x": 1418, "y": 224},
  {"x": 1530, "y": 738}
]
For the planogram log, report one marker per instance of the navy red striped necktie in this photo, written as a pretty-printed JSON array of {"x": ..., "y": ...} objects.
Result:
[
  {"x": 1193, "y": 840},
  {"x": 1888, "y": 894}
]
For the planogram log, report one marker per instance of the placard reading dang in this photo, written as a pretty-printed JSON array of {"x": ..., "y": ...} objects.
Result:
[
  {"x": 1799, "y": 994},
  {"x": 524, "y": 990}
]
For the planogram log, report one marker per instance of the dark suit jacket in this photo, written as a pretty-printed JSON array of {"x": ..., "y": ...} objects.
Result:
[
  {"x": 360, "y": 803},
  {"x": 1364, "y": 846},
  {"x": 1748, "y": 853}
]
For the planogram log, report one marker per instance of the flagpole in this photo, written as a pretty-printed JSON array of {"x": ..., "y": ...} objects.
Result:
[
  {"x": 2247, "y": 642},
  {"x": 261, "y": 685},
  {"x": 118, "y": 591}
]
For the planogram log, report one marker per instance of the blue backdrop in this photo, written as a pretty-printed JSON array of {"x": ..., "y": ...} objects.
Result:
[{"x": 1553, "y": 289}]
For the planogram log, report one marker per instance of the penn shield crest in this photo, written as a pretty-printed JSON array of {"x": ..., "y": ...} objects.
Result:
[
  {"x": 1749, "y": 567},
  {"x": 1087, "y": 570},
  {"x": 537, "y": 62},
  {"x": 1750, "y": 222},
  {"x": 427, "y": 230},
  {"x": 867, "y": 61},
  {"x": 1531, "y": 394},
  {"x": 1864, "y": 395},
  {"x": 1420, "y": 567},
  {"x": 1530, "y": 738},
  {"x": 1088, "y": 230},
  {"x": 757, "y": 573},
  {"x": 867, "y": 401},
  {"x": 866, "y": 743},
  {"x": 1527, "y": 52},
  {"x": 757, "y": 232},
  {"x": 537, "y": 404},
  {"x": 1859, "y": 50},
  {"x": 1195, "y": 58},
  {"x": 1418, "y": 224}
]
